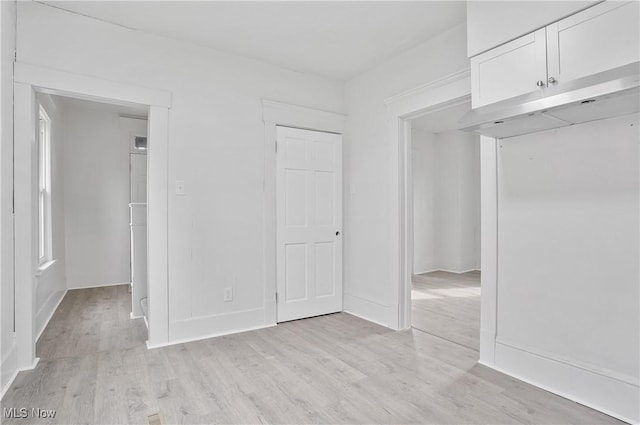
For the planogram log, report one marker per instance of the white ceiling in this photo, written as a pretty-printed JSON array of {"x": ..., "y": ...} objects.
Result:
[
  {"x": 443, "y": 120},
  {"x": 334, "y": 39}
]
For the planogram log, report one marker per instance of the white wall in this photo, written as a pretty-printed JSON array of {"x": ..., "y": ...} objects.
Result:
[
  {"x": 7, "y": 49},
  {"x": 446, "y": 176},
  {"x": 424, "y": 163},
  {"x": 216, "y": 145},
  {"x": 370, "y": 283},
  {"x": 568, "y": 261},
  {"x": 491, "y": 23},
  {"x": 96, "y": 187},
  {"x": 459, "y": 211},
  {"x": 51, "y": 283}
]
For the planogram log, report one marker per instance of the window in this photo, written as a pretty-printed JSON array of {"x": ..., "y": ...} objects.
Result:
[{"x": 44, "y": 188}]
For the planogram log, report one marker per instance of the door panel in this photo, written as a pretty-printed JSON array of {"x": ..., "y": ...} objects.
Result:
[
  {"x": 296, "y": 272},
  {"x": 325, "y": 269},
  {"x": 325, "y": 195},
  {"x": 296, "y": 197},
  {"x": 309, "y": 221}
]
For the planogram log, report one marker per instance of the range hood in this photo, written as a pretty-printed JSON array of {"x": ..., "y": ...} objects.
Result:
[{"x": 607, "y": 94}]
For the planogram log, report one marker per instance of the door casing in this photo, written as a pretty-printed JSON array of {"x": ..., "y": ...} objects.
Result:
[
  {"x": 29, "y": 79},
  {"x": 283, "y": 114}
]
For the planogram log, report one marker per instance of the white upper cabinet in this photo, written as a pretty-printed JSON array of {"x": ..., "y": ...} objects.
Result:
[
  {"x": 602, "y": 37},
  {"x": 492, "y": 23},
  {"x": 512, "y": 69}
]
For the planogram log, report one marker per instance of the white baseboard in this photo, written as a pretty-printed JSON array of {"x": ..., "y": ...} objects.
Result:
[
  {"x": 9, "y": 368},
  {"x": 32, "y": 365},
  {"x": 449, "y": 271},
  {"x": 609, "y": 395},
  {"x": 203, "y": 327},
  {"x": 214, "y": 335},
  {"x": 367, "y": 310},
  {"x": 98, "y": 285},
  {"x": 487, "y": 347},
  {"x": 9, "y": 363},
  {"x": 430, "y": 270},
  {"x": 15, "y": 375},
  {"x": 8, "y": 384},
  {"x": 47, "y": 311}
]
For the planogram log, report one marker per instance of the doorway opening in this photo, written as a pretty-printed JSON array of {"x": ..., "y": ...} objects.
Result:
[
  {"x": 445, "y": 246},
  {"x": 31, "y": 82},
  {"x": 92, "y": 239}
]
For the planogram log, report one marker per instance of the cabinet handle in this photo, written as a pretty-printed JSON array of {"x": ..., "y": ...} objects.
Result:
[
  {"x": 552, "y": 80},
  {"x": 540, "y": 83}
]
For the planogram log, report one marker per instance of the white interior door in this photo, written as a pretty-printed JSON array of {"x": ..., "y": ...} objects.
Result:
[
  {"x": 138, "y": 178},
  {"x": 309, "y": 223}
]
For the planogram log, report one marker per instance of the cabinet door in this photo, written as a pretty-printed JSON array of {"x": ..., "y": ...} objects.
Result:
[
  {"x": 602, "y": 37},
  {"x": 510, "y": 70}
]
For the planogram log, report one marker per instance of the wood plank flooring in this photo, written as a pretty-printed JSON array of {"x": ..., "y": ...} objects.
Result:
[
  {"x": 334, "y": 369},
  {"x": 448, "y": 305}
]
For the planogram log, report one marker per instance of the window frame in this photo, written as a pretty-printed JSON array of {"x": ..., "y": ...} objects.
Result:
[{"x": 45, "y": 245}]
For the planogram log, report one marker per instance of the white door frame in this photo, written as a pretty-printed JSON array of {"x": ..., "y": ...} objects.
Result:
[
  {"x": 437, "y": 95},
  {"x": 283, "y": 114},
  {"x": 28, "y": 80}
]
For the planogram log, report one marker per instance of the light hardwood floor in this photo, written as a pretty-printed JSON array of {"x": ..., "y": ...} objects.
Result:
[
  {"x": 332, "y": 369},
  {"x": 448, "y": 305}
]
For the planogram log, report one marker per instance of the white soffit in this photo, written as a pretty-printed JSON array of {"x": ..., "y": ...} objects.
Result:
[
  {"x": 442, "y": 120},
  {"x": 126, "y": 110},
  {"x": 334, "y": 39}
]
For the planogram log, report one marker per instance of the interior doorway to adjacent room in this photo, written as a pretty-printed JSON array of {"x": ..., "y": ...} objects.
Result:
[{"x": 445, "y": 179}]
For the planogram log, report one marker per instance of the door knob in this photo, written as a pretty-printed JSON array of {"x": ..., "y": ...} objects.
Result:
[{"x": 540, "y": 83}]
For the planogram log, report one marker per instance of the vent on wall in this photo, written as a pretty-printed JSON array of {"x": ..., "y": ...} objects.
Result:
[{"x": 140, "y": 143}]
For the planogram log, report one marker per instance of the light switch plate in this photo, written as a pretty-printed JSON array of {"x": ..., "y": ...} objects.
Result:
[
  {"x": 179, "y": 187},
  {"x": 228, "y": 294}
]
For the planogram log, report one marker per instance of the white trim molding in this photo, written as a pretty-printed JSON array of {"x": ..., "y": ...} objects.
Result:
[
  {"x": 488, "y": 248},
  {"x": 614, "y": 395},
  {"x": 97, "y": 285},
  {"x": 158, "y": 225},
  {"x": 428, "y": 88},
  {"x": 283, "y": 114},
  {"x": 301, "y": 117},
  {"x": 368, "y": 310},
  {"x": 47, "y": 311},
  {"x": 53, "y": 81},
  {"x": 442, "y": 93},
  {"x": 30, "y": 79},
  {"x": 211, "y": 335},
  {"x": 9, "y": 367},
  {"x": 25, "y": 224},
  {"x": 42, "y": 269}
]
